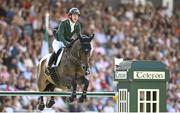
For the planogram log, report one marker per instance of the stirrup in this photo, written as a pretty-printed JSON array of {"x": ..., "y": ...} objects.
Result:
[
  {"x": 54, "y": 76},
  {"x": 48, "y": 70}
]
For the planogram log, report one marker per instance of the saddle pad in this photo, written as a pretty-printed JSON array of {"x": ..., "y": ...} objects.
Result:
[{"x": 45, "y": 57}]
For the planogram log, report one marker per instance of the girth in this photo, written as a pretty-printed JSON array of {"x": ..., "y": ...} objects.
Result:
[{"x": 60, "y": 80}]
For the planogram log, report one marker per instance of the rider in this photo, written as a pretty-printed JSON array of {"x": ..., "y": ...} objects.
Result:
[{"x": 66, "y": 30}]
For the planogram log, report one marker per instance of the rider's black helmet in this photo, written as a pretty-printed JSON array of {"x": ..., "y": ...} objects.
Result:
[{"x": 74, "y": 11}]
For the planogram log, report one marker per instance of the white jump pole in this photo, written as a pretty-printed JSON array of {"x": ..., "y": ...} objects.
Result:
[{"x": 36, "y": 93}]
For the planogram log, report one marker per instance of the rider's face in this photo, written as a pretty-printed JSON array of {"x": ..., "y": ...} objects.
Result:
[{"x": 75, "y": 17}]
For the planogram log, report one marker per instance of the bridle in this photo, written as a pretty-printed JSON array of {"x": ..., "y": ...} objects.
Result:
[{"x": 75, "y": 59}]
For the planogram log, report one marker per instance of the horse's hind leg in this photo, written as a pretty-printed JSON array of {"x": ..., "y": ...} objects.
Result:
[
  {"x": 41, "y": 103},
  {"x": 51, "y": 102},
  {"x": 84, "y": 94},
  {"x": 41, "y": 85}
]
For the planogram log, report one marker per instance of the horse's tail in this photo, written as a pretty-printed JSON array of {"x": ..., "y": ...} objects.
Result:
[
  {"x": 40, "y": 72},
  {"x": 39, "y": 67}
]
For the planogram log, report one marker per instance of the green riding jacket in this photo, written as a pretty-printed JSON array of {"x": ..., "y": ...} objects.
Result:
[{"x": 64, "y": 33}]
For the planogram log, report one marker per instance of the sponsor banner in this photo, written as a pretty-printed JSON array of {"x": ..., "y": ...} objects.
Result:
[{"x": 148, "y": 75}]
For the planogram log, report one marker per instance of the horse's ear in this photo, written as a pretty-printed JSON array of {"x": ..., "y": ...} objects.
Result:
[
  {"x": 79, "y": 37},
  {"x": 92, "y": 36}
]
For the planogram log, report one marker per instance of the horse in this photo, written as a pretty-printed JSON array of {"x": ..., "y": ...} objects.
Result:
[{"x": 71, "y": 71}]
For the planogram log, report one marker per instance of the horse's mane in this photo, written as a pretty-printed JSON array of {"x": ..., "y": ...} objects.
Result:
[{"x": 84, "y": 39}]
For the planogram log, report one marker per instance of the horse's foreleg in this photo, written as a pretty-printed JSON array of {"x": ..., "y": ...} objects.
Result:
[
  {"x": 84, "y": 94},
  {"x": 73, "y": 94},
  {"x": 41, "y": 103}
]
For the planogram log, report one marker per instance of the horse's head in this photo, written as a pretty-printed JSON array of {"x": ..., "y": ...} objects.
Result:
[
  {"x": 85, "y": 50},
  {"x": 81, "y": 49},
  {"x": 85, "y": 43}
]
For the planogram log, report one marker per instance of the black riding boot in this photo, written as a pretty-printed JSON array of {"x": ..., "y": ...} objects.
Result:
[
  {"x": 51, "y": 60},
  {"x": 56, "y": 58}
]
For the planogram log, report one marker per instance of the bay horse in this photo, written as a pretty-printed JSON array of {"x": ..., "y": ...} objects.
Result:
[{"x": 71, "y": 71}]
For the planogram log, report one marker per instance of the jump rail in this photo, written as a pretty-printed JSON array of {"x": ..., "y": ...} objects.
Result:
[{"x": 36, "y": 93}]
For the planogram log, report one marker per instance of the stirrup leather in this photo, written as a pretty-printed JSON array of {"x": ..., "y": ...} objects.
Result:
[{"x": 48, "y": 70}]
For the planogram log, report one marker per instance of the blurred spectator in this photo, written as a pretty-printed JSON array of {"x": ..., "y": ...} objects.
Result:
[
  {"x": 16, "y": 103},
  {"x": 4, "y": 74},
  {"x": 75, "y": 107},
  {"x": 109, "y": 107},
  {"x": 8, "y": 105},
  {"x": 60, "y": 105}
]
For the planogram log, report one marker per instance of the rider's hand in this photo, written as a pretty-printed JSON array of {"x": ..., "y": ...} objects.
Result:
[{"x": 69, "y": 45}]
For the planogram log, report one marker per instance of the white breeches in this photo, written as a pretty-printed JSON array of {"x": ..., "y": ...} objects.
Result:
[{"x": 57, "y": 45}]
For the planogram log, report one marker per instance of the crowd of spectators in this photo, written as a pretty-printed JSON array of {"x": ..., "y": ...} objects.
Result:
[{"x": 129, "y": 31}]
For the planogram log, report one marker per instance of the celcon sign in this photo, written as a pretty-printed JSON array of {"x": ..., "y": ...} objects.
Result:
[{"x": 148, "y": 75}]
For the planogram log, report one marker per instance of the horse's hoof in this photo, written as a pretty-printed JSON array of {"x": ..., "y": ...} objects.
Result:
[
  {"x": 66, "y": 99},
  {"x": 50, "y": 104},
  {"x": 82, "y": 99},
  {"x": 41, "y": 106},
  {"x": 71, "y": 99}
]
